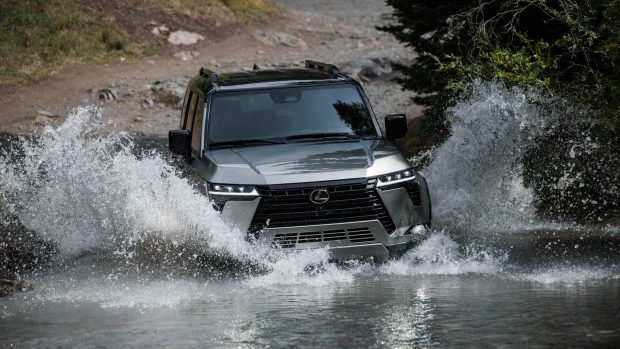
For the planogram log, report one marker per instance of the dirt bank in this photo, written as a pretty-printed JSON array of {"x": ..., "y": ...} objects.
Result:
[{"x": 328, "y": 31}]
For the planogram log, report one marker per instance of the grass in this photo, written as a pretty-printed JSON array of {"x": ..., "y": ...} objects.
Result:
[
  {"x": 39, "y": 37},
  {"x": 252, "y": 10},
  {"x": 244, "y": 11}
]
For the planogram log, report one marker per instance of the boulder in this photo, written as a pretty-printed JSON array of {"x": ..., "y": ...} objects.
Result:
[
  {"x": 366, "y": 69},
  {"x": 170, "y": 91},
  {"x": 9, "y": 287},
  {"x": 182, "y": 37}
]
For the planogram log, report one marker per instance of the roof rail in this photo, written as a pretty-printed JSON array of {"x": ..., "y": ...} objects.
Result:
[
  {"x": 214, "y": 81},
  {"x": 330, "y": 68}
]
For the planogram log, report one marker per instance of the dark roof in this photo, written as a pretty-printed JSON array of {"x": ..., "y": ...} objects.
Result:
[
  {"x": 314, "y": 72},
  {"x": 276, "y": 77}
]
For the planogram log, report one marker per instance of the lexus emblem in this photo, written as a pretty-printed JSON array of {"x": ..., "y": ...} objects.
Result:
[{"x": 319, "y": 196}]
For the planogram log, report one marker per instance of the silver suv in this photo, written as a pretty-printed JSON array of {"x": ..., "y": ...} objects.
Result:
[{"x": 296, "y": 158}]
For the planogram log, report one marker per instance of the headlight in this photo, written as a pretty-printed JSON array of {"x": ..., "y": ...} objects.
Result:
[
  {"x": 232, "y": 190},
  {"x": 395, "y": 177}
]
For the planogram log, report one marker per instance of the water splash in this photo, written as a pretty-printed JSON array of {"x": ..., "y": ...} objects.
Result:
[
  {"x": 86, "y": 192},
  {"x": 475, "y": 177},
  {"x": 441, "y": 255},
  {"x": 565, "y": 275}
]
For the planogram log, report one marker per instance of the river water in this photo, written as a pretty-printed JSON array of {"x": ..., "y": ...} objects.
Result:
[{"x": 141, "y": 260}]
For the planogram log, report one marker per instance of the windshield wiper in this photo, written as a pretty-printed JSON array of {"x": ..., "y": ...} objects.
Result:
[
  {"x": 324, "y": 135},
  {"x": 256, "y": 141}
]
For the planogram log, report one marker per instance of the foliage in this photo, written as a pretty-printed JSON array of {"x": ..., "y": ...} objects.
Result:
[{"x": 569, "y": 48}]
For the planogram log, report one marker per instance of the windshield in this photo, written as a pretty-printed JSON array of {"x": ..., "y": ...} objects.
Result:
[{"x": 285, "y": 112}]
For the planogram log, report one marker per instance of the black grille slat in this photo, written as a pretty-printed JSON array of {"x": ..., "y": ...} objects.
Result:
[
  {"x": 314, "y": 213},
  {"x": 290, "y": 205},
  {"x": 413, "y": 189},
  {"x": 290, "y": 240},
  {"x": 324, "y": 221}
]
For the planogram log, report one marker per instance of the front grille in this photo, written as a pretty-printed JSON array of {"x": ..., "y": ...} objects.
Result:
[
  {"x": 349, "y": 201},
  {"x": 355, "y": 235}
]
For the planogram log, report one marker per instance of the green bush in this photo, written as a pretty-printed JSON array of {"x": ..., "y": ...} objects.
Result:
[{"x": 568, "y": 48}]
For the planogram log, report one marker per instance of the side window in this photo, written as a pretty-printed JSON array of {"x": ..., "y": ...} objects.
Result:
[
  {"x": 191, "y": 106},
  {"x": 197, "y": 129},
  {"x": 186, "y": 99}
]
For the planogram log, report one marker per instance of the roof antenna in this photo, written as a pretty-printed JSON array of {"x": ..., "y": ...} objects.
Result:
[{"x": 255, "y": 67}]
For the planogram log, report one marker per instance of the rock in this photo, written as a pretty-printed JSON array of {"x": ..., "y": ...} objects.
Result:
[
  {"x": 107, "y": 94},
  {"x": 149, "y": 101},
  {"x": 44, "y": 113},
  {"x": 21, "y": 250},
  {"x": 160, "y": 30},
  {"x": 182, "y": 37},
  {"x": 163, "y": 29},
  {"x": 9, "y": 287},
  {"x": 44, "y": 117},
  {"x": 41, "y": 120},
  {"x": 279, "y": 38},
  {"x": 186, "y": 55},
  {"x": 170, "y": 91},
  {"x": 138, "y": 119},
  {"x": 48, "y": 114},
  {"x": 366, "y": 69},
  {"x": 118, "y": 90}
]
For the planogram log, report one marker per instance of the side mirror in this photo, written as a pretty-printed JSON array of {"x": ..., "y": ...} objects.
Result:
[
  {"x": 395, "y": 127},
  {"x": 179, "y": 143}
]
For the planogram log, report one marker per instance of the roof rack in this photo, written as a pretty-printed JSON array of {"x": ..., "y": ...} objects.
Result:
[
  {"x": 330, "y": 68},
  {"x": 210, "y": 74}
]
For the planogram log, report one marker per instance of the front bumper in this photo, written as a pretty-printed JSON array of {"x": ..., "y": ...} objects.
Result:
[{"x": 345, "y": 240}]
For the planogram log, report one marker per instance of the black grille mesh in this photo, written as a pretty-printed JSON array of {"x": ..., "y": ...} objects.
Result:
[{"x": 349, "y": 201}]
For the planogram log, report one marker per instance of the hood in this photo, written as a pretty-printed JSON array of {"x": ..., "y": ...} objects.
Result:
[
  {"x": 303, "y": 158},
  {"x": 302, "y": 162}
]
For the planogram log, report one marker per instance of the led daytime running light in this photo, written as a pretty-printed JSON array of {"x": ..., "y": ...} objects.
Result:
[
  {"x": 395, "y": 177},
  {"x": 232, "y": 190}
]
